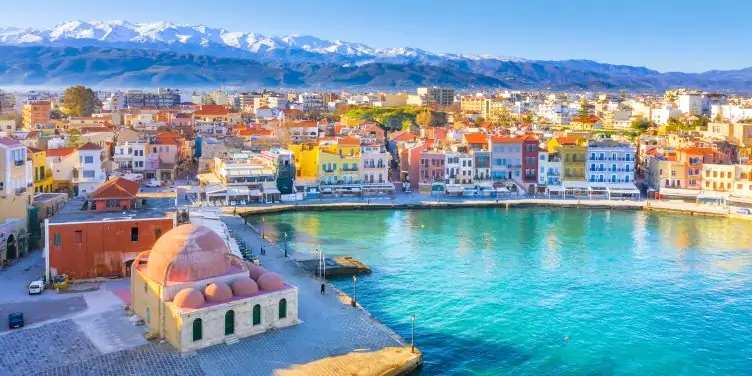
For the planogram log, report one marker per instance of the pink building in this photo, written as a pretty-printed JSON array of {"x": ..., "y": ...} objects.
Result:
[{"x": 432, "y": 170}]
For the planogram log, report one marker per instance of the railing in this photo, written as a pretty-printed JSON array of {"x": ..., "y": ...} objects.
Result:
[{"x": 514, "y": 166}]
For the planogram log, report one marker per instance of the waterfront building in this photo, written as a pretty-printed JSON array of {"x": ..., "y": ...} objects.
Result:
[
  {"x": 374, "y": 164},
  {"x": 40, "y": 170},
  {"x": 432, "y": 171},
  {"x": 101, "y": 236},
  {"x": 506, "y": 156},
  {"x": 529, "y": 162},
  {"x": 306, "y": 156},
  {"x": 282, "y": 164},
  {"x": 452, "y": 166},
  {"x": 467, "y": 169},
  {"x": 190, "y": 290},
  {"x": 339, "y": 162},
  {"x": 549, "y": 168},
  {"x": 573, "y": 154},
  {"x": 610, "y": 162}
]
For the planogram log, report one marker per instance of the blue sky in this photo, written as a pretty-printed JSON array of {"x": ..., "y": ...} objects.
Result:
[{"x": 688, "y": 35}]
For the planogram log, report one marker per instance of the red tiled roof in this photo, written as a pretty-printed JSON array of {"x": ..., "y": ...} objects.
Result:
[
  {"x": 348, "y": 141},
  {"x": 476, "y": 138},
  {"x": 61, "y": 152},
  {"x": 116, "y": 188},
  {"x": 212, "y": 110},
  {"x": 89, "y": 146},
  {"x": 590, "y": 119},
  {"x": 695, "y": 150},
  {"x": 33, "y": 150},
  {"x": 566, "y": 140}
]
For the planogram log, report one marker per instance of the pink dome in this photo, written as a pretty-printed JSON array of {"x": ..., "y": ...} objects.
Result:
[
  {"x": 244, "y": 287},
  {"x": 218, "y": 292},
  {"x": 255, "y": 270},
  {"x": 196, "y": 253},
  {"x": 271, "y": 281},
  {"x": 189, "y": 298}
]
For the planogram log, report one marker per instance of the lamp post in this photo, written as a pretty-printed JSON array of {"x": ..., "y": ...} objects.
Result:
[
  {"x": 263, "y": 223},
  {"x": 412, "y": 337},
  {"x": 285, "y": 244},
  {"x": 354, "y": 300}
]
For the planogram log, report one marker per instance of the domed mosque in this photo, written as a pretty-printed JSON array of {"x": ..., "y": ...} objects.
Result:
[{"x": 190, "y": 290}]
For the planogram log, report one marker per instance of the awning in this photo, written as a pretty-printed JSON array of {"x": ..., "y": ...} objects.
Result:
[
  {"x": 239, "y": 191},
  {"x": 452, "y": 188},
  {"x": 678, "y": 192},
  {"x": 270, "y": 188},
  {"x": 485, "y": 185},
  {"x": 501, "y": 189},
  {"x": 255, "y": 193},
  {"x": 555, "y": 188}
]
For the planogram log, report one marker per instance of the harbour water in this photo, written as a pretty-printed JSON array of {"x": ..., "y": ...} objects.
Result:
[{"x": 548, "y": 291}]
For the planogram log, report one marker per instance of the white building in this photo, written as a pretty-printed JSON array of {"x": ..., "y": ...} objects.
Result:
[
  {"x": 549, "y": 168},
  {"x": 660, "y": 116},
  {"x": 88, "y": 173},
  {"x": 452, "y": 165},
  {"x": 312, "y": 102},
  {"x": 467, "y": 169},
  {"x": 610, "y": 162},
  {"x": 694, "y": 104},
  {"x": 131, "y": 156},
  {"x": 374, "y": 164}
]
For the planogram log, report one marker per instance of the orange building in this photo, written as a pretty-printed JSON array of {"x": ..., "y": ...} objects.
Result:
[
  {"x": 35, "y": 113},
  {"x": 101, "y": 236}
]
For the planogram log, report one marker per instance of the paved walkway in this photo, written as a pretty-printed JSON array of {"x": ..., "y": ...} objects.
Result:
[{"x": 102, "y": 341}]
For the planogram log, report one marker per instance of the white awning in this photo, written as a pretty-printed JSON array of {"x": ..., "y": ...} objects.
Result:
[
  {"x": 555, "y": 188},
  {"x": 255, "y": 193},
  {"x": 485, "y": 185},
  {"x": 237, "y": 191},
  {"x": 679, "y": 192},
  {"x": 453, "y": 188},
  {"x": 501, "y": 189}
]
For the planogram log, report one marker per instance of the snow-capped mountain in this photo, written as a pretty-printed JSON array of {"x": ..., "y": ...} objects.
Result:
[{"x": 221, "y": 42}]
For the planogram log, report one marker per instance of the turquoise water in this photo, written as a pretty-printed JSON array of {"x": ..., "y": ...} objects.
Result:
[{"x": 498, "y": 291}]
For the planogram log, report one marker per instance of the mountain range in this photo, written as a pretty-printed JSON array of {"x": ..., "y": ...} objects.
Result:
[{"x": 125, "y": 54}]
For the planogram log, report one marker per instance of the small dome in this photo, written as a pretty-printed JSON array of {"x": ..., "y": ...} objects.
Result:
[
  {"x": 255, "y": 270},
  {"x": 244, "y": 287},
  {"x": 196, "y": 253},
  {"x": 271, "y": 281},
  {"x": 189, "y": 298},
  {"x": 218, "y": 292}
]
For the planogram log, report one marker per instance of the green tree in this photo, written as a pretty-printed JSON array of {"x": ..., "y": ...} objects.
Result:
[
  {"x": 80, "y": 101},
  {"x": 407, "y": 124},
  {"x": 584, "y": 110},
  {"x": 74, "y": 137},
  {"x": 640, "y": 125}
]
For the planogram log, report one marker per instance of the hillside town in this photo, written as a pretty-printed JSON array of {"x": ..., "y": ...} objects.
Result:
[{"x": 99, "y": 181}]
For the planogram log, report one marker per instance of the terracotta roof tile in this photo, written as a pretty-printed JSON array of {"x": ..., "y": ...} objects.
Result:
[
  {"x": 61, "y": 152},
  {"x": 116, "y": 188},
  {"x": 476, "y": 138}
]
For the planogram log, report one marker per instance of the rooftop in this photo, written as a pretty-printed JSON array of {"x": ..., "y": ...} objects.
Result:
[{"x": 153, "y": 209}]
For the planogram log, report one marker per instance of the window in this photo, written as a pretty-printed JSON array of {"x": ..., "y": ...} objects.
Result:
[
  {"x": 283, "y": 308},
  {"x": 111, "y": 204},
  {"x": 78, "y": 237},
  {"x": 88, "y": 159},
  {"x": 197, "y": 328},
  {"x": 58, "y": 240},
  {"x": 230, "y": 323},
  {"x": 134, "y": 234},
  {"x": 88, "y": 174},
  {"x": 148, "y": 315},
  {"x": 157, "y": 233},
  {"x": 256, "y": 315}
]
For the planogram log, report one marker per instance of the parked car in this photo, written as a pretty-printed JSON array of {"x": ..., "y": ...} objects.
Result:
[
  {"x": 15, "y": 320},
  {"x": 153, "y": 183},
  {"x": 744, "y": 211},
  {"x": 36, "y": 287}
]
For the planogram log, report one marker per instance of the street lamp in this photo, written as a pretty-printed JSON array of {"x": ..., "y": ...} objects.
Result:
[
  {"x": 354, "y": 300},
  {"x": 285, "y": 244},
  {"x": 412, "y": 338},
  {"x": 263, "y": 223}
]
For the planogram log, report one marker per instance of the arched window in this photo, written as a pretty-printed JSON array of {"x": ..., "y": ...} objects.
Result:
[
  {"x": 283, "y": 308},
  {"x": 256, "y": 315},
  {"x": 229, "y": 323},
  {"x": 197, "y": 330}
]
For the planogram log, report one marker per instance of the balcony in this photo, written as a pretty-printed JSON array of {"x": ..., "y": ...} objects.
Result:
[{"x": 514, "y": 166}]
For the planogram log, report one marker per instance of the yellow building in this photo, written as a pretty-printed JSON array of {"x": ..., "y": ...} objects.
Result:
[
  {"x": 35, "y": 113},
  {"x": 339, "y": 162},
  {"x": 306, "y": 160},
  {"x": 573, "y": 154},
  {"x": 41, "y": 172}
]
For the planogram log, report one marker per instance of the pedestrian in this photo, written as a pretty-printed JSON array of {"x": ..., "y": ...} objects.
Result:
[{"x": 323, "y": 288}]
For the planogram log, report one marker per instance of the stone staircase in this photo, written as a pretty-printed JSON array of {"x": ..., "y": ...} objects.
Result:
[{"x": 231, "y": 340}]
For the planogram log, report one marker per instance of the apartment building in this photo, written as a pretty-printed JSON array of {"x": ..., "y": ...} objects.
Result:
[
  {"x": 15, "y": 198},
  {"x": 437, "y": 96},
  {"x": 506, "y": 155},
  {"x": 88, "y": 173},
  {"x": 35, "y": 113},
  {"x": 375, "y": 164},
  {"x": 610, "y": 162}
]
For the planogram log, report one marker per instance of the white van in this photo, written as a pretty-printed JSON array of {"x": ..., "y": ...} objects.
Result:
[{"x": 36, "y": 287}]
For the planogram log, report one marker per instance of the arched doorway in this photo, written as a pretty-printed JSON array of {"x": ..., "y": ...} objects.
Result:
[
  {"x": 11, "y": 249},
  {"x": 197, "y": 330},
  {"x": 282, "y": 308},
  {"x": 229, "y": 323}
]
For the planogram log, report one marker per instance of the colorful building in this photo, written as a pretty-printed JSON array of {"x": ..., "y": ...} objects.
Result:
[
  {"x": 306, "y": 160},
  {"x": 573, "y": 159},
  {"x": 41, "y": 171},
  {"x": 15, "y": 198},
  {"x": 35, "y": 113},
  {"x": 339, "y": 161}
]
